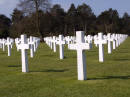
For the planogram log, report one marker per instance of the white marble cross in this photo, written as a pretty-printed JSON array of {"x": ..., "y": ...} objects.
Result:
[
  {"x": 100, "y": 43},
  {"x": 17, "y": 42},
  {"x": 80, "y": 46},
  {"x": 24, "y": 46},
  {"x": 37, "y": 41},
  {"x": 117, "y": 40},
  {"x": 8, "y": 43},
  {"x": 68, "y": 40},
  {"x": 89, "y": 38},
  {"x": 51, "y": 43},
  {"x": 0, "y": 43},
  {"x": 54, "y": 43},
  {"x": 31, "y": 45},
  {"x": 110, "y": 39},
  {"x": 95, "y": 40},
  {"x": 114, "y": 41},
  {"x": 61, "y": 43}
]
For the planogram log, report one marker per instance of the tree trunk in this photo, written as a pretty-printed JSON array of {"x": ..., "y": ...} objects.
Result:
[{"x": 38, "y": 21}]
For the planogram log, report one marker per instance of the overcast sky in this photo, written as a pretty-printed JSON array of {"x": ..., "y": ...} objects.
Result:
[{"x": 7, "y": 6}]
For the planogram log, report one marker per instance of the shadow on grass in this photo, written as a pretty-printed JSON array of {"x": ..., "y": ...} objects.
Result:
[
  {"x": 51, "y": 70},
  {"x": 14, "y": 66},
  {"x": 121, "y": 59},
  {"x": 123, "y": 51},
  {"x": 110, "y": 77},
  {"x": 49, "y": 55}
]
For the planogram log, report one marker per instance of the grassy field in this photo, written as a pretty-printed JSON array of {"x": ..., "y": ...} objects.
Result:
[{"x": 51, "y": 77}]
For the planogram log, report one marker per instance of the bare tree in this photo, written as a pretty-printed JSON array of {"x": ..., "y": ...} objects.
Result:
[{"x": 34, "y": 6}]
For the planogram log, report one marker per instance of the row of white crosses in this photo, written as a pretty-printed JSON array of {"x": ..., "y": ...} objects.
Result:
[
  {"x": 2, "y": 42},
  {"x": 80, "y": 46},
  {"x": 116, "y": 39},
  {"x": 61, "y": 41},
  {"x": 83, "y": 43},
  {"x": 100, "y": 40},
  {"x": 52, "y": 41},
  {"x": 89, "y": 39},
  {"x": 7, "y": 42},
  {"x": 33, "y": 45}
]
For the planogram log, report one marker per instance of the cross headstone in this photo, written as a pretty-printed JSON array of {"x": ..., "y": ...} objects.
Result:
[
  {"x": 24, "y": 46},
  {"x": 114, "y": 41},
  {"x": 117, "y": 40},
  {"x": 8, "y": 43},
  {"x": 68, "y": 39},
  {"x": 17, "y": 42},
  {"x": 89, "y": 37},
  {"x": 54, "y": 43},
  {"x": 80, "y": 46},
  {"x": 61, "y": 43},
  {"x": 110, "y": 39},
  {"x": 95, "y": 40},
  {"x": 31, "y": 45},
  {"x": 100, "y": 42}
]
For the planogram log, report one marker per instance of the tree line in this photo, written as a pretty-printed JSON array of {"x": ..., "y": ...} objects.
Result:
[{"x": 39, "y": 18}]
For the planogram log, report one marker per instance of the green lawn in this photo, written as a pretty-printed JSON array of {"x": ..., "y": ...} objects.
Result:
[{"x": 51, "y": 77}]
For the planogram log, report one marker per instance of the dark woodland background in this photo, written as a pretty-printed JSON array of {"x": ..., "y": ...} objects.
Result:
[{"x": 40, "y": 18}]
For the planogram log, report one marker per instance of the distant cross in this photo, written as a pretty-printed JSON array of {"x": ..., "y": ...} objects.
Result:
[
  {"x": 117, "y": 40},
  {"x": 51, "y": 43},
  {"x": 54, "y": 43},
  {"x": 17, "y": 42},
  {"x": 109, "y": 39},
  {"x": 114, "y": 41},
  {"x": 100, "y": 43},
  {"x": 34, "y": 39},
  {"x": 90, "y": 40},
  {"x": 61, "y": 43},
  {"x": 31, "y": 45},
  {"x": 95, "y": 40},
  {"x": 8, "y": 43},
  {"x": 68, "y": 39},
  {"x": 80, "y": 46}
]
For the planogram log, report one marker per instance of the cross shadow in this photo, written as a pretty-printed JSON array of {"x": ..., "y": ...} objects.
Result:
[
  {"x": 14, "y": 66},
  {"x": 110, "y": 77},
  {"x": 49, "y": 55},
  {"x": 123, "y": 52},
  {"x": 92, "y": 51},
  {"x": 51, "y": 70},
  {"x": 122, "y": 59}
]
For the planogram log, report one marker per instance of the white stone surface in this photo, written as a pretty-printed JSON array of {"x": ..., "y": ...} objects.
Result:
[
  {"x": 54, "y": 43},
  {"x": 61, "y": 43},
  {"x": 31, "y": 44},
  {"x": 109, "y": 43},
  {"x": 80, "y": 46},
  {"x": 8, "y": 43},
  {"x": 23, "y": 46},
  {"x": 100, "y": 42}
]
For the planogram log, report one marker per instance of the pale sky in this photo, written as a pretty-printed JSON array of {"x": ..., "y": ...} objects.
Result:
[{"x": 7, "y": 6}]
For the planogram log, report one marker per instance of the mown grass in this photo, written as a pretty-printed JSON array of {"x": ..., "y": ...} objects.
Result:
[{"x": 51, "y": 77}]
